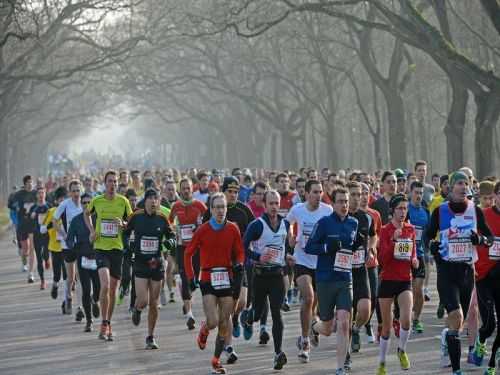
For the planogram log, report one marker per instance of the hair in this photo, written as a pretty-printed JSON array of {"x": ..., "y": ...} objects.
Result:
[
  {"x": 490, "y": 178},
  {"x": 85, "y": 196},
  {"x": 26, "y": 178},
  {"x": 123, "y": 172},
  {"x": 280, "y": 175},
  {"x": 418, "y": 163},
  {"x": 353, "y": 185},
  {"x": 185, "y": 179},
  {"x": 435, "y": 175},
  {"x": 387, "y": 174},
  {"x": 416, "y": 184},
  {"x": 300, "y": 179},
  {"x": 310, "y": 183},
  {"x": 73, "y": 182},
  {"x": 234, "y": 170},
  {"x": 201, "y": 175},
  {"x": 60, "y": 192},
  {"x": 268, "y": 192},
  {"x": 259, "y": 184},
  {"x": 109, "y": 173},
  {"x": 312, "y": 170},
  {"x": 340, "y": 190},
  {"x": 217, "y": 196},
  {"x": 130, "y": 193},
  {"x": 332, "y": 175},
  {"x": 486, "y": 188}
]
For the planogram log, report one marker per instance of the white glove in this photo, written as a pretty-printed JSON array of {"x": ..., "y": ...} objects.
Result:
[{"x": 43, "y": 229}]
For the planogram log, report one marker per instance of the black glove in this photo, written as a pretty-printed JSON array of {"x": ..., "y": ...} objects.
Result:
[
  {"x": 434, "y": 247},
  {"x": 476, "y": 239},
  {"x": 333, "y": 246},
  {"x": 193, "y": 285},
  {"x": 237, "y": 268}
]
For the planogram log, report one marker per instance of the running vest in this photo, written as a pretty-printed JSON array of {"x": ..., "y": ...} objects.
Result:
[
  {"x": 272, "y": 241},
  {"x": 454, "y": 234}
]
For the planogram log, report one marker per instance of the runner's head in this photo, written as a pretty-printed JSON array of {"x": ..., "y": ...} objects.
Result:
[
  {"x": 186, "y": 186},
  {"x": 60, "y": 194},
  {"x": 421, "y": 170},
  {"x": 283, "y": 182},
  {"x": 341, "y": 202},
  {"x": 389, "y": 183},
  {"x": 444, "y": 184},
  {"x": 272, "y": 202},
  {"x": 151, "y": 201},
  {"x": 124, "y": 177},
  {"x": 312, "y": 174},
  {"x": 416, "y": 193},
  {"x": 110, "y": 182},
  {"x": 300, "y": 186},
  {"x": 365, "y": 195},
  {"x": 399, "y": 207},
  {"x": 75, "y": 189},
  {"x": 354, "y": 188},
  {"x": 435, "y": 181},
  {"x": 231, "y": 188},
  {"x": 486, "y": 194},
  {"x": 203, "y": 180},
  {"x": 459, "y": 186},
  {"x": 401, "y": 181},
  {"x": 258, "y": 191},
  {"x": 170, "y": 190},
  {"x": 218, "y": 207},
  {"x": 28, "y": 183},
  {"x": 131, "y": 195},
  {"x": 213, "y": 187},
  {"x": 40, "y": 194},
  {"x": 85, "y": 199},
  {"x": 314, "y": 190}
]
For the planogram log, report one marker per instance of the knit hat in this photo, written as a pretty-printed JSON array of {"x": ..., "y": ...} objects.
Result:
[
  {"x": 457, "y": 176},
  {"x": 230, "y": 182}
]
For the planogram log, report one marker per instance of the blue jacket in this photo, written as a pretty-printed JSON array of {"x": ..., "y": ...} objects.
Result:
[
  {"x": 326, "y": 230},
  {"x": 78, "y": 236},
  {"x": 419, "y": 217}
]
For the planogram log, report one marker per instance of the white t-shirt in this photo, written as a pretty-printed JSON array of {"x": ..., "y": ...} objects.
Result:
[
  {"x": 306, "y": 220},
  {"x": 200, "y": 196},
  {"x": 71, "y": 210}
]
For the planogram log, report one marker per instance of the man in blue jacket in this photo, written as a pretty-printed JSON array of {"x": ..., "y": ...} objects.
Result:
[{"x": 332, "y": 240}]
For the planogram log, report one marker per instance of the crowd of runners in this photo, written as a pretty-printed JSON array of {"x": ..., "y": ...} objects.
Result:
[{"x": 349, "y": 247}]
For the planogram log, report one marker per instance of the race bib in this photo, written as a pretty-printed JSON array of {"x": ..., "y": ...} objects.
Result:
[
  {"x": 149, "y": 245},
  {"x": 89, "y": 264},
  {"x": 403, "y": 249},
  {"x": 27, "y": 206},
  {"x": 109, "y": 228},
  {"x": 343, "y": 261},
  {"x": 418, "y": 233},
  {"x": 219, "y": 278},
  {"x": 41, "y": 219},
  {"x": 460, "y": 250},
  {"x": 494, "y": 251},
  {"x": 186, "y": 232},
  {"x": 276, "y": 255},
  {"x": 306, "y": 233},
  {"x": 358, "y": 258}
]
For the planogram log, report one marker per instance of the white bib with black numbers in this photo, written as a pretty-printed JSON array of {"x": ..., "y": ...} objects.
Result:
[
  {"x": 403, "y": 249},
  {"x": 109, "y": 228},
  {"x": 273, "y": 242},
  {"x": 358, "y": 258},
  {"x": 219, "y": 278},
  {"x": 149, "y": 245},
  {"x": 494, "y": 251},
  {"x": 343, "y": 261}
]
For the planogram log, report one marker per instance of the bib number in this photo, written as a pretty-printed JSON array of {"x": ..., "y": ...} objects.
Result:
[
  {"x": 459, "y": 250},
  {"x": 494, "y": 251},
  {"x": 418, "y": 234},
  {"x": 89, "y": 264},
  {"x": 219, "y": 278},
  {"x": 149, "y": 245},
  {"x": 276, "y": 255},
  {"x": 343, "y": 261},
  {"x": 358, "y": 258},
  {"x": 109, "y": 228},
  {"x": 403, "y": 249},
  {"x": 186, "y": 233}
]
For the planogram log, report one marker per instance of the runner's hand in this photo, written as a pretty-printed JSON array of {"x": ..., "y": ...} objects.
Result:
[{"x": 415, "y": 263}]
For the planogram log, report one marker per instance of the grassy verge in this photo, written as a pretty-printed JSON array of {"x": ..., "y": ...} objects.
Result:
[{"x": 4, "y": 217}]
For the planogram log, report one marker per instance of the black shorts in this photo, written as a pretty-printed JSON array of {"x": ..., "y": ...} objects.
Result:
[
  {"x": 288, "y": 270},
  {"x": 392, "y": 288},
  {"x": 360, "y": 285},
  {"x": 301, "y": 270},
  {"x": 419, "y": 273},
  {"x": 22, "y": 235},
  {"x": 455, "y": 282},
  {"x": 111, "y": 259},
  {"x": 206, "y": 289},
  {"x": 69, "y": 255},
  {"x": 144, "y": 271}
]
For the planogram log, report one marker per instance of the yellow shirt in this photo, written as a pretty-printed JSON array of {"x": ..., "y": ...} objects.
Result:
[
  {"x": 436, "y": 202},
  {"x": 54, "y": 244}
]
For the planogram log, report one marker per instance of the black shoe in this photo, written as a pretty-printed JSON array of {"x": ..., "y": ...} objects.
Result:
[
  {"x": 69, "y": 306},
  {"x": 79, "y": 314},
  {"x": 53, "y": 292},
  {"x": 88, "y": 326},
  {"x": 279, "y": 361},
  {"x": 63, "y": 307},
  {"x": 95, "y": 310},
  {"x": 263, "y": 337},
  {"x": 136, "y": 316},
  {"x": 347, "y": 363},
  {"x": 232, "y": 357},
  {"x": 151, "y": 343},
  {"x": 285, "y": 307},
  {"x": 190, "y": 323},
  {"x": 31, "y": 279},
  {"x": 440, "y": 311},
  {"x": 172, "y": 298}
]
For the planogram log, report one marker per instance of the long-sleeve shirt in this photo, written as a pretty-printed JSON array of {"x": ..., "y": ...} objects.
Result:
[
  {"x": 392, "y": 268},
  {"x": 78, "y": 236},
  {"x": 485, "y": 263},
  {"x": 327, "y": 230},
  {"x": 218, "y": 248}
]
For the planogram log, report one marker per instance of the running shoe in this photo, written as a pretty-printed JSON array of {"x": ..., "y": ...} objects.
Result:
[
  {"x": 369, "y": 334},
  {"x": 445, "y": 357},
  {"x": 31, "y": 279},
  {"x": 151, "y": 343},
  {"x": 490, "y": 371},
  {"x": 103, "y": 331},
  {"x": 285, "y": 307},
  {"x": 403, "y": 359},
  {"x": 304, "y": 348},
  {"x": 203, "y": 336},
  {"x": 217, "y": 367},
  {"x": 339, "y": 371},
  {"x": 313, "y": 335},
  {"x": 88, "y": 326},
  {"x": 264, "y": 336},
  {"x": 381, "y": 370},
  {"x": 440, "y": 311},
  {"x": 279, "y": 361},
  {"x": 479, "y": 352},
  {"x": 53, "y": 292},
  {"x": 246, "y": 319},
  {"x": 236, "y": 330},
  {"x": 347, "y": 363},
  {"x": 172, "y": 298},
  {"x": 96, "y": 311},
  {"x": 111, "y": 336},
  {"x": 231, "y": 356},
  {"x": 355, "y": 341},
  {"x": 190, "y": 323},
  {"x": 136, "y": 316},
  {"x": 43, "y": 284},
  {"x": 79, "y": 314},
  {"x": 418, "y": 327}
]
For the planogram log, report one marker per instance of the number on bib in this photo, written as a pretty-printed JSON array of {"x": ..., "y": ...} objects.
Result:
[
  {"x": 219, "y": 278},
  {"x": 149, "y": 245},
  {"x": 343, "y": 261},
  {"x": 459, "y": 250},
  {"x": 403, "y": 249},
  {"x": 494, "y": 251},
  {"x": 109, "y": 228},
  {"x": 358, "y": 258}
]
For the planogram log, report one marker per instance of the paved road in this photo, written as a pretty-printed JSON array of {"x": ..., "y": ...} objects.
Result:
[{"x": 36, "y": 339}]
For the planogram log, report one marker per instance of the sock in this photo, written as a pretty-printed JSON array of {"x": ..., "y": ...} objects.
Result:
[
  {"x": 263, "y": 327},
  {"x": 403, "y": 338},
  {"x": 219, "y": 346},
  {"x": 66, "y": 293},
  {"x": 384, "y": 348},
  {"x": 454, "y": 349},
  {"x": 189, "y": 314}
]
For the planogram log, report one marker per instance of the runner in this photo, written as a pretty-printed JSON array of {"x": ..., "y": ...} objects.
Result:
[
  {"x": 419, "y": 217},
  {"x": 306, "y": 215},
  {"x": 202, "y": 193},
  {"x": 186, "y": 214},
  {"x": 265, "y": 244},
  {"x": 332, "y": 240},
  {"x": 456, "y": 222},
  {"x": 397, "y": 256},
  {"x": 421, "y": 174},
  {"x": 41, "y": 241},
  {"x": 256, "y": 203},
  {"x": 218, "y": 242},
  {"x": 300, "y": 191},
  {"x": 151, "y": 230},
  {"x": 110, "y": 211},
  {"x": 65, "y": 212},
  {"x": 169, "y": 197},
  {"x": 78, "y": 241}
]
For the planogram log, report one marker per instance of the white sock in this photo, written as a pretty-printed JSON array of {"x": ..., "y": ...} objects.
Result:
[
  {"x": 189, "y": 314},
  {"x": 403, "y": 339},
  {"x": 383, "y": 348}
]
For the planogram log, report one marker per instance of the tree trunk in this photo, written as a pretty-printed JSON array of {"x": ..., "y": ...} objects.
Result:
[
  {"x": 455, "y": 126},
  {"x": 397, "y": 130},
  {"x": 488, "y": 112}
]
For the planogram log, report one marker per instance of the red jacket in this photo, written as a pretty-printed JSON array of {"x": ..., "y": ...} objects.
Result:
[
  {"x": 394, "y": 269},
  {"x": 484, "y": 265},
  {"x": 217, "y": 249}
]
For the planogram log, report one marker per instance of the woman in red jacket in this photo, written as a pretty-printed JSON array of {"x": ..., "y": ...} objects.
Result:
[{"x": 397, "y": 255}]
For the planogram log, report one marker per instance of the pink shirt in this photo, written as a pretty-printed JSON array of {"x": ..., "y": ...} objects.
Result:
[{"x": 256, "y": 210}]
